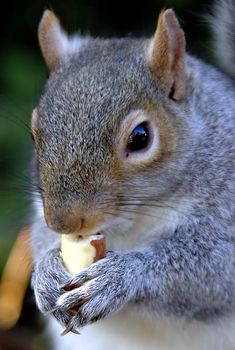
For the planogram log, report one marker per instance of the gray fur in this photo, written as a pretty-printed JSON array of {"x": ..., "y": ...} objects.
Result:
[
  {"x": 222, "y": 23},
  {"x": 189, "y": 272}
]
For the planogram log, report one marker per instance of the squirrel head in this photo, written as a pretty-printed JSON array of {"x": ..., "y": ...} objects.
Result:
[{"x": 108, "y": 123}]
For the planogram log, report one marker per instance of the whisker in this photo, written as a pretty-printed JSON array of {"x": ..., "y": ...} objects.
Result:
[
  {"x": 129, "y": 202},
  {"x": 13, "y": 118}
]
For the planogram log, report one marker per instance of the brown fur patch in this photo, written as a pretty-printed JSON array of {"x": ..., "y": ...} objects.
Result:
[
  {"x": 48, "y": 31},
  {"x": 167, "y": 61}
]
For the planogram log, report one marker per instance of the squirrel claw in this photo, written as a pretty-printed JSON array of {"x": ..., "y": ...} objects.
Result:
[
  {"x": 68, "y": 330},
  {"x": 75, "y": 331},
  {"x": 52, "y": 310},
  {"x": 66, "y": 286}
]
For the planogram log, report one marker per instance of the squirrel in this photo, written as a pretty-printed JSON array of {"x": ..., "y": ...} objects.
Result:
[{"x": 135, "y": 139}]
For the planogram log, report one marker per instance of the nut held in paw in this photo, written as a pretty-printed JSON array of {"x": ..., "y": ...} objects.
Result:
[{"x": 79, "y": 253}]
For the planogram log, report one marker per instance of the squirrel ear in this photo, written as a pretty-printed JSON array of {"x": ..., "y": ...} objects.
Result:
[
  {"x": 54, "y": 42},
  {"x": 52, "y": 39},
  {"x": 167, "y": 56}
]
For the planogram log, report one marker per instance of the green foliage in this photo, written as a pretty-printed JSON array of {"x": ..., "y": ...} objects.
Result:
[{"x": 21, "y": 76}]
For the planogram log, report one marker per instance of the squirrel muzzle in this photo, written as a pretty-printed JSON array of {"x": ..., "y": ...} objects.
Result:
[
  {"x": 64, "y": 222},
  {"x": 73, "y": 220}
]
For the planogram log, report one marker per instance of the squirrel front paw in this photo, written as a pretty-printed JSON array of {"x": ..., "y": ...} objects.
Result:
[
  {"x": 48, "y": 277},
  {"x": 99, "y": 291}
]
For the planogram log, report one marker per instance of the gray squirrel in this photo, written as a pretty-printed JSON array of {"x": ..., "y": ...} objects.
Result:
[{"x": 135, "y": 139}]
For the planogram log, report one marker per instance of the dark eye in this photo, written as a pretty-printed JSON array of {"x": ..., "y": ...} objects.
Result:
[{"x": 139, "y": 138}]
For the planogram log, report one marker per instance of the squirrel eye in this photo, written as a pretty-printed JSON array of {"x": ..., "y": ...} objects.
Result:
[{"x": 139, "y": 138}]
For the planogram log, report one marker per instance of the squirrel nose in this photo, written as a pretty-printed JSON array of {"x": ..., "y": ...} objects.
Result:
[{"x": 64, "y": 223}]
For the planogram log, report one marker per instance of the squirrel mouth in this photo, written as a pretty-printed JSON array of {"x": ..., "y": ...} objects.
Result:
[{"x": 79, "y": 236}]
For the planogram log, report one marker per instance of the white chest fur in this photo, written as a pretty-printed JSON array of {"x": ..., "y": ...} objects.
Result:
[{"x": 131, "y": 330}]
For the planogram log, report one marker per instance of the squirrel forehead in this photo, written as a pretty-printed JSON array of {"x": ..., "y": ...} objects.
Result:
[
  {"x": 99, "y": 86},
  {"x": 106, "y": 74}
]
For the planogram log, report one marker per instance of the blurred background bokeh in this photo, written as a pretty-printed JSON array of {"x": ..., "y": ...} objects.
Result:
[{"x": 22, "y": 73}]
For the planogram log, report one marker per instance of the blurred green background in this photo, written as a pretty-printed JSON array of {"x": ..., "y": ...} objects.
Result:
[{"x": 22, "y": 73}]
